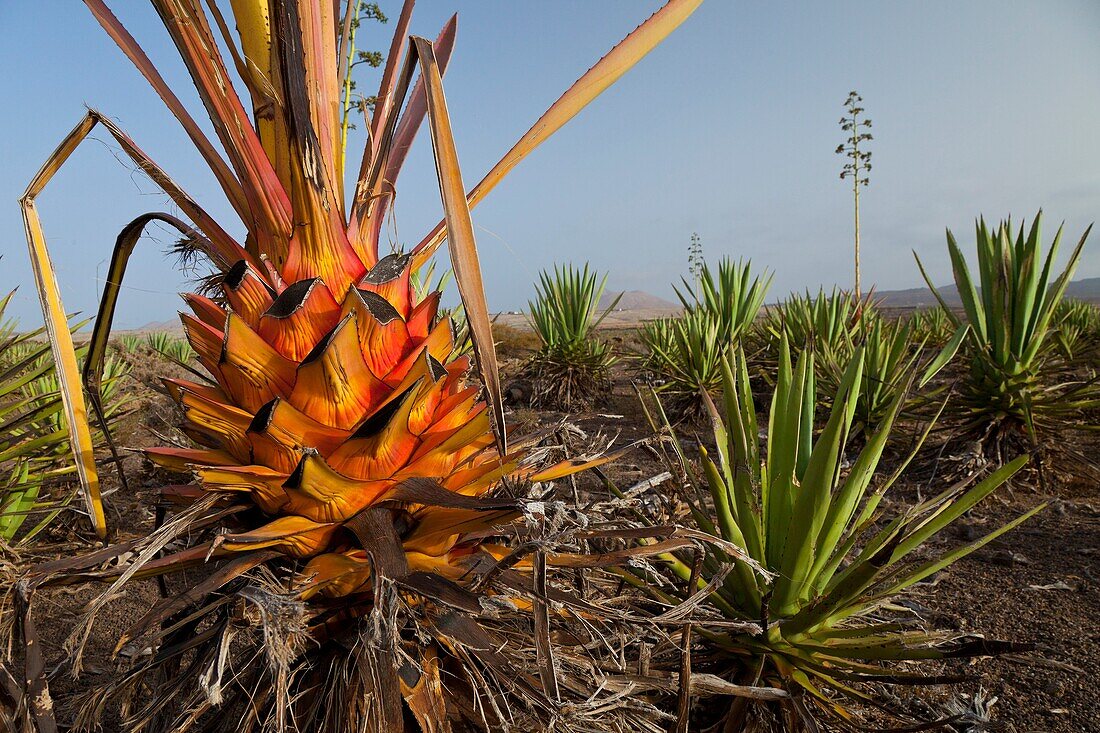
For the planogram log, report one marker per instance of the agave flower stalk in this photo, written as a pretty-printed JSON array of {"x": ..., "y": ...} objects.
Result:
[
  {"x": 340, "y": 452},
  {"x": 572, "y": 367},
  {"x": 1014, "y": 380},
  {"x": 815, "y": 560}
]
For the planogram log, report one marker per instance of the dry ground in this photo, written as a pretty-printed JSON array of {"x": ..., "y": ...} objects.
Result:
[{"x": 1037, "y": 584}]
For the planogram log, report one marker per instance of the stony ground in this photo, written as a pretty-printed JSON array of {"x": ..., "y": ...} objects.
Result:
[{"x": 1036, "y": 584}]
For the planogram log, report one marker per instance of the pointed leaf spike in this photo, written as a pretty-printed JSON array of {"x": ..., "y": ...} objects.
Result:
[
  {"x": 463, "y": 246},
  {"x": 57, "y": 326},
  {"x": 606, "y": 72}
]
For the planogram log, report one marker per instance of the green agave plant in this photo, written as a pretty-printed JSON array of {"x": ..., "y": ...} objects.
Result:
[
  {"x": 572, "y": 368},
  {"x": 813, "y": 320},
  {"x": 684, "y": 354},
  {"x": 1015, "y": 377},
  {"x": 805, "y": 558},
  {"x": 932, "y": 326},
  {"x": 1077, "y": 327},
  {"x": 129, "y": 343},
  {"x": 26, "y": 450},
  {"x": 732, "y": 295},
  {"x": 719, "y": 309},
  {"x": 891, "y": 353},
  {"x": 47, "y": 387},
  {"x": 34, "y": 439}
]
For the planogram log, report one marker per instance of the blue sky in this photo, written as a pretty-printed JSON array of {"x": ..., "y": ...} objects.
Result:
[{"x": 728, "y": 129}]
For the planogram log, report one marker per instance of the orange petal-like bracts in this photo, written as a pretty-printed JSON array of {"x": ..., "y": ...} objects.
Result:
[
  {"x": 440, "y": 452},
  {"x": 299, "y": 318},
  {"x": 383, "y": 336},
  {"x": 379, "y": 413},
  {"x": 269, "y": 451},
  {"x": 252, "y": 372},
  {"x": 476, "y": 479},
  {"x": 175, "y": 388},
  {"x": 379, "y": 452},
  {"x": 336, "y": 574},
  {"x": 390, "y": 278},
  {"x": 247, "y": 292},
  {"x": 454, "y": 411},
  {"x": 423, "y": 315},
  {"x": 184, "y": 459},
  {"x": 438, "y": 345},
  {"x": 294, "y": 535},
  {"x": 437, "y": 530},
  {"x": 334, "y": 384},
  {"x": 338, "y": 497},
  {"x": 263, "y": 484},
  {"x": 206, "y": 340},
  {"x": 206, "y": 310},
  {"x": 320, "y": 248},
  {"x": 226, "y": 424},
  {"x": 290, "y": 426}
]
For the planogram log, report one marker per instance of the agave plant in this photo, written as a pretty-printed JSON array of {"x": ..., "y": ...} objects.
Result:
[
  {"x": 1016, "y": 380},
  {"x": 719, "y": 309},
  {"x": 34, "y": 439},
  {"x": 732, "y": 295},
  {"x": 27, "y": 450},
  {"x": 129, "y": 343},
  {"x": 809, "y": 321},
  {"x": 891, "y": 355},
  {"x": 1076, "y": 327},
  {"x": 684, "y": 355},
  {"x": 932, "y": 326},
  {"x": 572, "y": 367},
  {"x": 174, "y": 349},
  {"x": 889, "y": 358},
  {"x": 342, "y": 461},
  {"x": 806, "y": 567},
  {"x": 47, "y": 387}
]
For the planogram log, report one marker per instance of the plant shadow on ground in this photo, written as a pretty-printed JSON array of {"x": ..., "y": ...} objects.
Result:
[{"x": 1035, "y": 584}]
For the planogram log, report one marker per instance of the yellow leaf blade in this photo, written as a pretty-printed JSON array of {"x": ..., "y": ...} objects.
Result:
[
  {"x": 606, "y": 72},
  {"x": 57, "y": 326},
  {"x": 462, "y": 244}
]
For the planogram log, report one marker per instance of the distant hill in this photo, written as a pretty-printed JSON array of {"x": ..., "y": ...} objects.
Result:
[
  {"x": 172, "y": 326},
  {"x": 635, "y": 300},
  {"x": 638, "y": 305},
  {"x": 1085, "y": 289}
]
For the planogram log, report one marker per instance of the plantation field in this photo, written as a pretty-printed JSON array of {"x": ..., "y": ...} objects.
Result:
[
  {"x": 336, "y": 497},
  {"x": 1035, "y": 584}
]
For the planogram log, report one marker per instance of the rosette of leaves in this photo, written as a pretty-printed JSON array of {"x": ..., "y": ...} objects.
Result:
[
  {"x": 685, "y": 353},
  {"x": 1018, "y": 382},
  {"x": 572, "y": 368},
  {"x": 807, "y": 600}
]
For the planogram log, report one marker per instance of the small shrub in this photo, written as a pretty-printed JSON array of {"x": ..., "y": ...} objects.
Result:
[{"x": 572, "y": 368}]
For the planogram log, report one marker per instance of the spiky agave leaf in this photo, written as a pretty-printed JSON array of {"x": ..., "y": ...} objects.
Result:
[
  {"x": 34, "y": 436},
  {"x": 341, "y": 459},
  {"x": 685, "y": 352},
  {"x": 572, "y": 367},
  {"x": 1017, "y": 381},
  {"x": 831, "y": 568}
]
